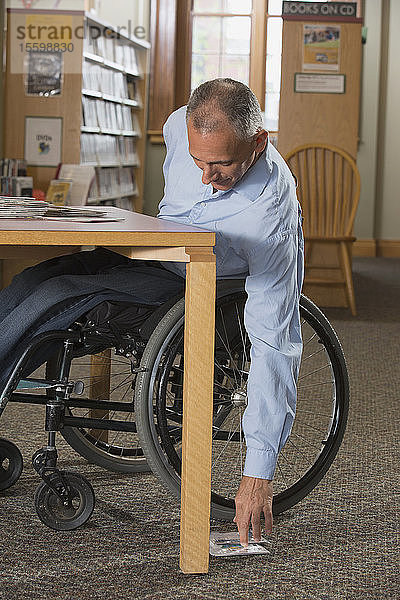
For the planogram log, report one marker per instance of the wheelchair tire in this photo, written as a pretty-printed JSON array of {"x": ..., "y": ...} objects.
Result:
[
  {"x": 322, "y": 408},
  {"x": 11, "y": 464},
  {"x": 116, "y": 451},
  {"x": 54, "y": 513}
]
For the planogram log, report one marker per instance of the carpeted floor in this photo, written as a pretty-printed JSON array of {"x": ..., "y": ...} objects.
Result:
[{"x": 340, "y": 543}]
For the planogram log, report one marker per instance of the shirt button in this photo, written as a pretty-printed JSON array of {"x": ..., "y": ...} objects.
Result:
[{"x": 203, "y": 203}]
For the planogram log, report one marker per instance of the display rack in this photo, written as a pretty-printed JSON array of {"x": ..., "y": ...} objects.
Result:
[{"x": 102, "y": 105}]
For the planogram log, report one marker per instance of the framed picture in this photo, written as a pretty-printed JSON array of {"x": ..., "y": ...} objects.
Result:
[
  {"x": 44, "y": 73},
  {"x": 321, "y": 47},
  {"x": 43, "y": 139},
  {"x": 320, "y": 83}
]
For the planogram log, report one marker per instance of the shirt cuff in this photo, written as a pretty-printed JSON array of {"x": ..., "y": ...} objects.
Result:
[{"x": 260, "y": 463}]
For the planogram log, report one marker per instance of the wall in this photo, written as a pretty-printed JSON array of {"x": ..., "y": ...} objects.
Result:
[
  {"x": 387, "y": 213},
  {"x": 369, "y": 112},
  {"x": 154, "y": 180},
  {"x": 378, "y": 214},
  {"x": 379, "y": 210},
  {"x": 120, "y": 12}
]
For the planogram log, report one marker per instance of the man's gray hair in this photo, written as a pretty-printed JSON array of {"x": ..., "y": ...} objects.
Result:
[{"x": 214, "y": 101}]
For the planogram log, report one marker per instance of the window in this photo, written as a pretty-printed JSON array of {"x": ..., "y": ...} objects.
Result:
[
  {"x": 197, "y": 40},
  {"x": 225, "y": 44},
  {"x": 221, "y": 33}
]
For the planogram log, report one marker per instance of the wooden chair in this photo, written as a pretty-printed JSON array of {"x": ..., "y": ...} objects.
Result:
[{"x": 328, "y": 191}]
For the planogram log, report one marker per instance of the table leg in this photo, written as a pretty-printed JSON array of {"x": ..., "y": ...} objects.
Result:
[{"x": 197, "y": 413}]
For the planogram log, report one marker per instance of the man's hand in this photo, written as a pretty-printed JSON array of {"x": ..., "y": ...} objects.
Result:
[{"x": 254, "y": 496}]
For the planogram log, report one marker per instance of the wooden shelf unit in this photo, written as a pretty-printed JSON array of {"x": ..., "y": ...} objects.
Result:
[{"x": 107, "y": 75}]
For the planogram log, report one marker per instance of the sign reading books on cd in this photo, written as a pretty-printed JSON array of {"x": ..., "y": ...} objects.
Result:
[
  {"x": 43, "y": 141},
  {"x": 320, "y": 11}
]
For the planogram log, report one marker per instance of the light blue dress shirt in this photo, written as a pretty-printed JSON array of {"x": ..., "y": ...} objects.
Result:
[{"x": 258, "y": 237}]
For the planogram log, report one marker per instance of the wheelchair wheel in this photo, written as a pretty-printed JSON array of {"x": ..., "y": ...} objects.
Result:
[
  {"x": 54, "y": 513},
  {"x": 106, "y": 375},
  {"x": 11, "y": 464},
  {"x": 322, "y": 406}
]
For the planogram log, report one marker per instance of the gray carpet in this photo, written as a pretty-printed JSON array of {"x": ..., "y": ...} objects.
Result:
[{"x": 340, "y": 543}]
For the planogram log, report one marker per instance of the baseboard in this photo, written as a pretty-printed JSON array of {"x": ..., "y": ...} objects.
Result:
[
  {"x": 364, "y": 248},
  {"x": 388, "y": 248}
]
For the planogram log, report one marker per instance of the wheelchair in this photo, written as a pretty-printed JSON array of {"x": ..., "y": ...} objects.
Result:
[{"x": 113, "y": 388}]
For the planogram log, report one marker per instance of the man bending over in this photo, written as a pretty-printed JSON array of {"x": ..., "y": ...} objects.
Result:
[{"x": 221, "y": 174}]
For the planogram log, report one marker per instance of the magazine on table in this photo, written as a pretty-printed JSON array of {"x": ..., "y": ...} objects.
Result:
[{"x": 12, "y": 207}]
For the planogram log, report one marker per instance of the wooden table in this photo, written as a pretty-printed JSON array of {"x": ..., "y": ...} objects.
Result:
[{"x": 140, "y": 236}]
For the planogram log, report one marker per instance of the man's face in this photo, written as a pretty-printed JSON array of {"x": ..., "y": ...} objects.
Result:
[{"x": 222, "y": 157}]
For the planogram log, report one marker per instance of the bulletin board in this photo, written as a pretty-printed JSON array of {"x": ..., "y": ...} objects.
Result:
[{"x": 320, "y": 86}]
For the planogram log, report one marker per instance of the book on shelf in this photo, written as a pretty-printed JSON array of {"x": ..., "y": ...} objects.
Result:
[
  {"x": 81, "y": 178},
  {"x": 112, "y": 183},
  {"x": 107, "y": 115},
  {"x": 13, "y": 167},
  {"x": 132, "y": 89},
  {"x": 108, "y": 150},
  {"x": 114, "y": 50},
  {"x": 16, "y": 186},
  {"x": 124, "y": 202},
  {"x": 58, "y": 190}
]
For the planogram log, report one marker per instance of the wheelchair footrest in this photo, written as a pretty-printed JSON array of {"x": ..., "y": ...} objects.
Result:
[{"x": 29, "y": 384}]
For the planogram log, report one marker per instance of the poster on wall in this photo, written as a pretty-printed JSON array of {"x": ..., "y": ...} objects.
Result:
[
  {"x": 321, "y": 47},
  {"x": 43, "y": 141},
  {"x": 43, "y": 73}
]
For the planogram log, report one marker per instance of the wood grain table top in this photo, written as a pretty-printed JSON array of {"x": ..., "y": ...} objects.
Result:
[{"x": 135, "y": 230}]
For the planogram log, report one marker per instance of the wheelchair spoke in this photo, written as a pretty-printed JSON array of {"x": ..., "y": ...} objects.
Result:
[
  {"x": 311, "y": 412},
  {"x": 230, "y": 436},
  {"x": 318, "y": 383},
  {"x": 242, "y": 335},
  {"x": 115, "y": 384},
  {"x": 305, "y": 440},
  {"x": 304, "y": 358},
  {"x": 309, "y": 426},
  {"x": 286, "y": 460},
  {"x": 327, "y": 366},
  {"x": 223, "y": 370},
  {"x": 281, "y": 472},
  {"x": 309, "y": 340}
]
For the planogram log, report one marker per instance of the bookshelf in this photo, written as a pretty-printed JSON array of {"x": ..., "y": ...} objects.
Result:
[{"x": 102, "y": 103}]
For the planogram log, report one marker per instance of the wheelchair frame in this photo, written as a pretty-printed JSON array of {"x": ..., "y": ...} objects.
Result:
[
  {"x": 65, "y": 500},
  {"x": 71, "y": 492}
]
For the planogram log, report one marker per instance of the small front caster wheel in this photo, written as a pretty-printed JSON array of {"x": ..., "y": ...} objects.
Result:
[
  {"x": 10, "y": 464},
  {"x": 74, "y": 511}
]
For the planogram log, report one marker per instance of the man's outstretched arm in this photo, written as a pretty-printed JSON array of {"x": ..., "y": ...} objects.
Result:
[{"x": 272, "y": 323}]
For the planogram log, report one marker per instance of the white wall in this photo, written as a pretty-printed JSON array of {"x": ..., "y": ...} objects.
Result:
[
  {"x": 369, "y": 111},
  {"x": 387, "y": 224},
  {"x": 120, "y": 12},
  {"x": 378, "y": 158}
]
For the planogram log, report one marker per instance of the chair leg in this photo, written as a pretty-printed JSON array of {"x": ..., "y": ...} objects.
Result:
[{"x": 348, "y": 277}]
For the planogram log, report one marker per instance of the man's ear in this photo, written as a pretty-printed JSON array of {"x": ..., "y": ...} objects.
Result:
[{"x": 261, "y": 140}]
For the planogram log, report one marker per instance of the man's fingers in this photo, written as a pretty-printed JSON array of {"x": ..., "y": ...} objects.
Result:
[
  {"x": 256, "y": 526},
  {"x": 268, "y": 519},
  {"x": 243, "y": 523},
  {"x": 243, "y": 528}
]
